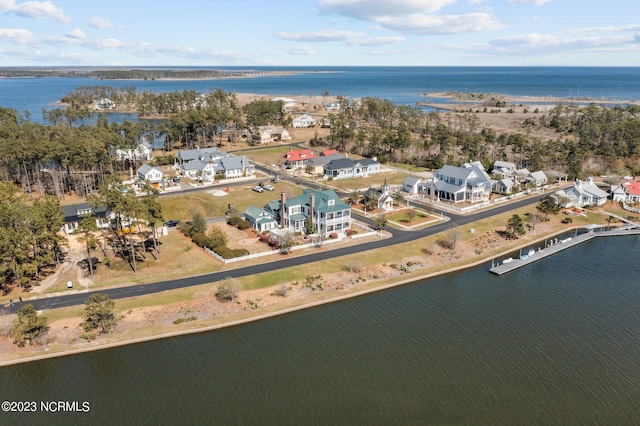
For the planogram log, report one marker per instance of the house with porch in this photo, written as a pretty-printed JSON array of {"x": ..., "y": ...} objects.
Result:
[
  {"x": 297, "y": 159},
  {"x": 198, "y": 154},
  {"x": 581, "y": 194},
  {"x": 266, "y": 134},
  {"x": 234, "y": 167},
  {"x": 327, "y": 212},
  {"x": 536, "y": 179},
  {"x": 467, "y": 183},
  {"x": 503, "y": 186},
  {"x": 315, "y": 166},
  {"x": 151, "y": 174},
  {"x": 142, "y": 152},
  {"x": 628, "y": 192},
  {"x": 345, "y": 168},
  {"x": 260, "y": 219},
  {"x": 304, "y": 121}
]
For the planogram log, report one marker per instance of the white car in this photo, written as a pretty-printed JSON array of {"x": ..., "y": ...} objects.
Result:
[
  {"x": 268, "y": 187},
  {"x": 258, "y": 189}
]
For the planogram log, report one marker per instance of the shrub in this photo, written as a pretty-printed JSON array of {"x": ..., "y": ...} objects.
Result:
[
  {"x": 228, "y": 290},
  {"x": 349, "y": 232},
  {"x": 282, "y": 291},
  {"x": 240, "y": 252},
  {"x": 244, "y": 224},
  {"x": 567, "y": 220},
  {"x": 233, "y": 220},
  {"x": 224, "y": 252},
  {"x": 200, "y": 239},
  {"x": 333, "y": 235}
]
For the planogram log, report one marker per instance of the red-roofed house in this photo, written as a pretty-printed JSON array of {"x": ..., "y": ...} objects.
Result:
[
  {"x": 629, "y": 191},
  {"x": 299, "y": 158},
  {"x": 328, "y": 152}
]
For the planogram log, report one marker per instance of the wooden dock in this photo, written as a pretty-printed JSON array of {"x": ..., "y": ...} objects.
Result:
[{"x": 559, "y": 246}]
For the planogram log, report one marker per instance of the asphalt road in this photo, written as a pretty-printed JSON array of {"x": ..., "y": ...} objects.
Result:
[{"x": 399, "y": 237}]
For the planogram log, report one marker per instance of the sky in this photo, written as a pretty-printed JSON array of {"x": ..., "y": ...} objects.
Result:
[{"x": 319, "y": 33}]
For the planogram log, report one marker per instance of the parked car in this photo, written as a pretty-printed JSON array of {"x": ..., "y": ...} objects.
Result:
[
  {"x": 172, "y": 223},
  {"x": 176, "y": 179},
  {"x": 268, "y": 187},
  {"x": 258, "y": 189}
]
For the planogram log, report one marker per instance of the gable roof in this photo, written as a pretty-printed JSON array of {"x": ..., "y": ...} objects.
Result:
[
  {"x": 411, "y": 181},
  {"x": 76, "y": 212},
  {"x": 146, "y": 168},
  {"x": 321, "y": 161},
  {"x": 301, "y": 154},
  {"x": 340, "y": 163},
  {"x": 632, "y": 187},
  {"x": 328, "y": 152}
]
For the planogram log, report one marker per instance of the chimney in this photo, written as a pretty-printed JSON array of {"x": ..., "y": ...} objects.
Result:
[
  {"x": 283, "y": 199},
  {"x": 312, "y": 200}
]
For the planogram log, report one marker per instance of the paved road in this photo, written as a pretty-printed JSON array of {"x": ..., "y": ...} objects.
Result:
[{"x": 399, "y": 237}]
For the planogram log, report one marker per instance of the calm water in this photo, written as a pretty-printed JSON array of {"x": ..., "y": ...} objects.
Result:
[
  {"x": 557, "y": 342},
  {"x": 402, "y": 85}
]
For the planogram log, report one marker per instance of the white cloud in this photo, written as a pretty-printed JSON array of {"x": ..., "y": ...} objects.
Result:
[
  {"x": 320, "y": 36},
  {"x": 535, "y": 2},
  {"x": 77, "y": 33},
  {"x": 372, "y": 9},
  {"x": 100, "y": 23},
  {"x": 17, "y": 36},
  {"x": 545, "y": 44},
  {"x": 609, "y": 29},
  {"x": 376, "y": 41},
  {"x": 413, "y": 16},
  {"x": 443, "y": 24},
  {"x": 34, "y": 9},
  {"x": 299, "y": 50}
]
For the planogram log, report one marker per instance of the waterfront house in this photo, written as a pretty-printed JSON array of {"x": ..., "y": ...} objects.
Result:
[
  {"x": 582, "y": 194},
  {"x": 628, "y": 192},
  {"x": 260, "y": 219},
  {"x": 345, "y": 168},
  {"x": 327, "y": 212},
  {"x": 105, "y": 104},
  {"x": 467, "y": 183},
  {"x": 304, "y": 121},
  {"x": 151, "y": 174}
]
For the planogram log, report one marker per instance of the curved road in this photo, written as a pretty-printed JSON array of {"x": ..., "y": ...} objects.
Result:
[{"x": 399, "y": 237}]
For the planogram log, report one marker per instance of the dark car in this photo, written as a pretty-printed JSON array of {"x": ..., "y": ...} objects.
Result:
[{"x": 172, "y": 223}]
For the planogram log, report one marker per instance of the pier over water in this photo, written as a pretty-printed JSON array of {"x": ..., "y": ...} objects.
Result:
[{"x": 559, "y": 246}]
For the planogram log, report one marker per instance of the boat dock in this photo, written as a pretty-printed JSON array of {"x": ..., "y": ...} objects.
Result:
[{"x": 556, "y": 247}]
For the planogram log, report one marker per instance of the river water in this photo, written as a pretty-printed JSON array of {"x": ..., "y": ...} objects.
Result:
[{"x": 556, "y": 342}]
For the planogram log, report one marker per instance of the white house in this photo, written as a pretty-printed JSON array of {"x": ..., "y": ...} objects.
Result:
[
  {"x": 266, "y": 134},
  {"x": 345, "y": 168},
  {"x": 582, "y": 194},
  {"x": 142, "y": 152},
  {"x": 411, "y": 185},
  {"x": 304, "y": 121},
  {"x": 628, "y": 192},
  {"x": 74, "y": 213},
  {"x": 105, "y": 104},
  {"x": 151, "y": 174},
  {"x": 288, "y": 102},
  {"x": 537, "y": 179},
  {"x": 469, "y": 183}
]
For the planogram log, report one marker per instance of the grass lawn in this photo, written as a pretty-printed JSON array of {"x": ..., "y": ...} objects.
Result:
[
  {"x": 419, "y": 217},
  {"x": 373, "y": 181}
]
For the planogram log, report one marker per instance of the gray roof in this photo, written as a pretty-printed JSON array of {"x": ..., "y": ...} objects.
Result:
[
  {"x": 323, "y": 160},
  {"x": 340, "y": 164},
  {"x": 146, "y": 168},
  {"x": 454, "y": 172},
  {"x": 75, "y": 212},
  {"x": 234, "y": 163},
  {"x": 367, "y": 162},
  {"x": 411, "y": 180}
]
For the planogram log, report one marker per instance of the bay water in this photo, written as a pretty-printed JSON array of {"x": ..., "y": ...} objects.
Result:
[{"x": 556, "y": 342}]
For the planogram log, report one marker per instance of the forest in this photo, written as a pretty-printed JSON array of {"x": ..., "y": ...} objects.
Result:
[{"x": 72, "y": 152}]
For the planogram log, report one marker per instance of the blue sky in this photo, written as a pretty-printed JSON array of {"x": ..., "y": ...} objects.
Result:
[{"x": 319, "y": 32}]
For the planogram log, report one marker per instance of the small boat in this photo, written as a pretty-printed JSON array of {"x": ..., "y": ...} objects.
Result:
[
  {"x": 508, "y": 260},
  {"x": 531, "y": 252},
  {"x": 524, "y": 256}
]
